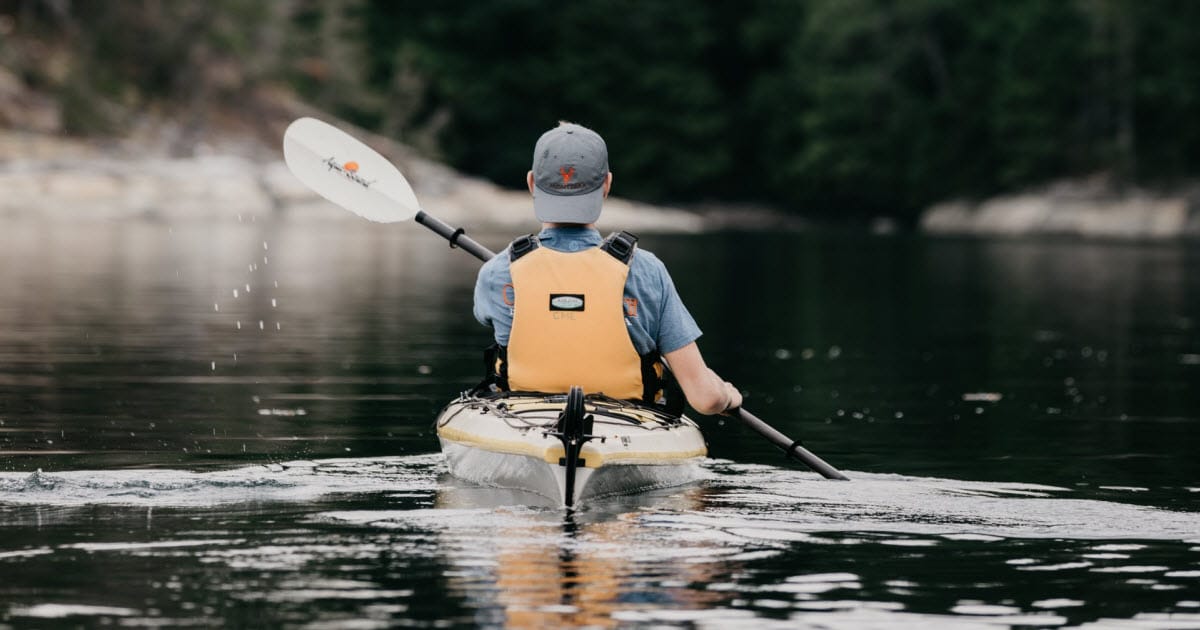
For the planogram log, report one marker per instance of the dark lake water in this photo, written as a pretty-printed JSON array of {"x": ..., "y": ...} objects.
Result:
[{"x": 231, "y": 425}]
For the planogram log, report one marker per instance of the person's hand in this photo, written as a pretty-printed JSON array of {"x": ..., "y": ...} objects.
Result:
[{"x": 735, "y": 397}]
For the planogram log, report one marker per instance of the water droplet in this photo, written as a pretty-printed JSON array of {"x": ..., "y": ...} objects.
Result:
[
  {"x": 216, "y": 307},
  {"x": 274, "y": 303},
  {"x": 276, "y": 284},
  {"x": 264, "y": 260},
  {"x": 239, "y": 324},
  {"x": 260, "y": 324},
  {"x": 783, "y": 354},
  {"x": 264, "y": 245},
  {"x": 424, "y": 369},
  {"x": 276, "y": 325},
  {"x": 235, "y": 294},
  {"x": 214, "y": 366},
  {"x": 835, "y": 352},
  {"x": 247, "y": 288}
]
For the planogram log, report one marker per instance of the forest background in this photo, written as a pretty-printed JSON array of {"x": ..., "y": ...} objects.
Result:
[{"x": 828, "y": 108}]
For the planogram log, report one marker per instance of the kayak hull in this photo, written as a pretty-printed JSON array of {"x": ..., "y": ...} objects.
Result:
[{"x": 510, "y": 442}]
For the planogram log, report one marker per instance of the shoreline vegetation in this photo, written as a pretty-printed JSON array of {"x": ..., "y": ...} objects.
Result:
[
  {"x": 163, "y": 170},
  {"x": 1072, "y": 119}
]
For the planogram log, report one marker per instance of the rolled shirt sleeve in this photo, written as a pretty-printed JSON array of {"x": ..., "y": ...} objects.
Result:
[
  {"x": 662, "y": 322},
  {"x": 490, "y": 307}
]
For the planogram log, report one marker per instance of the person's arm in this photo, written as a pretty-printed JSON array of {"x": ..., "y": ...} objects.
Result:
[
  {"x": 483, "y": 294},
  {"x": 706, "y": 392}
]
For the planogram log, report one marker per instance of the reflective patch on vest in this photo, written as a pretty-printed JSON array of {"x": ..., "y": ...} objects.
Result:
[{"x": 566, "y": 301}]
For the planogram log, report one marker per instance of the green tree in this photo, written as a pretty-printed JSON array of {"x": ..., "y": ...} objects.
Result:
[{"x": 500, "y": 73}]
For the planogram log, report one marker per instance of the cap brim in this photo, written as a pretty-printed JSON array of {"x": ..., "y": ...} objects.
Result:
[{"x": 551, "y": 208}]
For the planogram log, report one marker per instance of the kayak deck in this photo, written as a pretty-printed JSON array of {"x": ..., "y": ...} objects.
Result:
[{"x": 510, "y": 441}]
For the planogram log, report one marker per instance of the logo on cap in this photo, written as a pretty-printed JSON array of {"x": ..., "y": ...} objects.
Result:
[{"x": 566, "y": 173}]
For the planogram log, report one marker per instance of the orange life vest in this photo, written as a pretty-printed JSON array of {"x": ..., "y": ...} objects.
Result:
[{"x": 569, "y": 323}]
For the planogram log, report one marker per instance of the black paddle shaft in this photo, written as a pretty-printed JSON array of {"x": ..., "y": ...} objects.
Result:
[
  {"x": 457, "y": 236},
  {"x": 791, "y": 448}
]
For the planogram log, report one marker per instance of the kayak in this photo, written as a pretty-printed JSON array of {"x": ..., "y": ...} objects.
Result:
[{"x": 569, "y": 448}]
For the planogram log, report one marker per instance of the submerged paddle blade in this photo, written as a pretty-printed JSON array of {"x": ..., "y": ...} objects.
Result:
[{"x": 347, "y": 172}]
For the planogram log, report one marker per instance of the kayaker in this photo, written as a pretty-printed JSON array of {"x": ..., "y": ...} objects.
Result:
[{"x": 568, "y": 307}]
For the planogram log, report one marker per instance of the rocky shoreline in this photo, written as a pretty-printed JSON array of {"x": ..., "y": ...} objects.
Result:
[
  {"x": 1090, "y": 208},
  {"x": 156, "y": 174},
  {"x": 53, "y": 178}
]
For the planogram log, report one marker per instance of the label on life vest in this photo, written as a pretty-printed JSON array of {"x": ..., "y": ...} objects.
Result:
[{"x": 566, "y": 301}]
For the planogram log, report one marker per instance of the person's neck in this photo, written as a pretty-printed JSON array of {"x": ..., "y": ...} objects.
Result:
[{"x": 590, "y": 226}]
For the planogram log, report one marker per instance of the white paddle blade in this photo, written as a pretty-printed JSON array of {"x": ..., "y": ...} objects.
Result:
[{"x": 347, "y": 172}]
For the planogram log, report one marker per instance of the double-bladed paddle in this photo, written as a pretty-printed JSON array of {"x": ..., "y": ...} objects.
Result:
[{"x": 352, "y": 175}]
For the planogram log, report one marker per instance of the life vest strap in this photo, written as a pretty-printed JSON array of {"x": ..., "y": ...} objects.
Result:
[
  {"x": 495, "y": 370},
  {"x": 659, "y": 386},
  {"x": 620, "y": 245},
  {"x": 522, "y": 245}
]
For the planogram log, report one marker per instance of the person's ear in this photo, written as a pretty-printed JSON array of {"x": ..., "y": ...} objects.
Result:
[
  {"x": 607, "y": 182},
  {"x": 529, "y": 181}
]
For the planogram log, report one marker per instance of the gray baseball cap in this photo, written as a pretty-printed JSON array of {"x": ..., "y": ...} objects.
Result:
[{"x": 570, "y": 164}]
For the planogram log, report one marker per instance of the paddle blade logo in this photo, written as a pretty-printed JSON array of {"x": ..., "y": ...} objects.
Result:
[{"x": 349, "y": 170}]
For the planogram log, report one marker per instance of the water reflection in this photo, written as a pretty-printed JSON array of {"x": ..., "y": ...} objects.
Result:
[
  {"x": 573, "y": 568},
  {"x": 1018, "y": 417},
  {"x": 397, "y": 541}
]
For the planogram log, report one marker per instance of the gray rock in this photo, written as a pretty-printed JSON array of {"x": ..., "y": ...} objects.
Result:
[{"x": 1084, "y": 209}]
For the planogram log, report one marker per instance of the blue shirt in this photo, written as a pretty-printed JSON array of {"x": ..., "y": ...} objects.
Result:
[{"x": 661, "y": 321}]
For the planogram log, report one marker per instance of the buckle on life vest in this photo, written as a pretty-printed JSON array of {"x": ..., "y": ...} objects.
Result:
[
  {"x": 620, "y": 245},
  {"x": 522, "y": 245}
]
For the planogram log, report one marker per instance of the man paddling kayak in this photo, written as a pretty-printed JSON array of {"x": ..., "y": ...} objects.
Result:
[{"x": 569, "y": 308}]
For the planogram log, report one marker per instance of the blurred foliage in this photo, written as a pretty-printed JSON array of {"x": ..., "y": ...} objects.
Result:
[{"x": 828, "y": 107}]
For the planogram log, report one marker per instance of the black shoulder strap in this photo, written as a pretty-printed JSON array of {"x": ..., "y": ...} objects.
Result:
[
  {"x": 620, "y": 245},
  {"x": 521, "y": 246}
]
